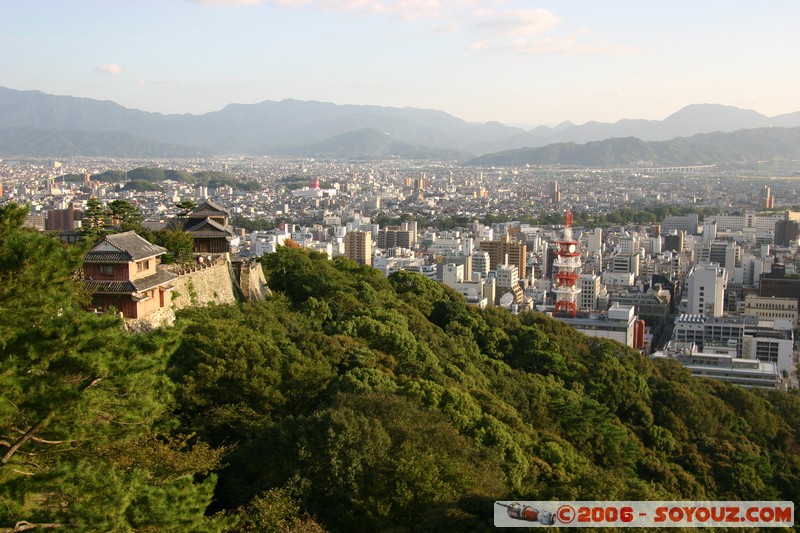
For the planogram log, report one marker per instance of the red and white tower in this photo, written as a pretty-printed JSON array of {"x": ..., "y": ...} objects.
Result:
[{"x": 566, "y": 267}]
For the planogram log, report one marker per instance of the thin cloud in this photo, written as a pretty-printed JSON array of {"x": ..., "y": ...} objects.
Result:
[
  {"x": 109, "y": 69},
  {"x": 226, "y": 2},
  {"x": 616, "y": 93},
  {"x": 516, "y": 22},
  {"x": 404, "y": 9},
  {"x": 517, "y": 31},
  {"x": 549, "y": 46}
]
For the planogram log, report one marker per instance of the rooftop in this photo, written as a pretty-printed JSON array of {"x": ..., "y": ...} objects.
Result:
[{"x": 122, "y": 248}]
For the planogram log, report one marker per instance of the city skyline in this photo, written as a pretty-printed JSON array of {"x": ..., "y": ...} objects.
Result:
[{"x": 479, "y": 60}]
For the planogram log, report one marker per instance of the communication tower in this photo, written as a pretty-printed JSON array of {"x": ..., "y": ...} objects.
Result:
[{"x": 567, "y": 266}]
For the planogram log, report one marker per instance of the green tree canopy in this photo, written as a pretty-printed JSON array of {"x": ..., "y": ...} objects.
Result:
[{"x": 84, "y": 414}]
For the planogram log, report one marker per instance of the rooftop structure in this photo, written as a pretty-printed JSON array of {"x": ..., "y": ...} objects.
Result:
[{"x": 749, "y": 373}]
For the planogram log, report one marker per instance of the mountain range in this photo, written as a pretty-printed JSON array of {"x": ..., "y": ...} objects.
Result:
[
  {"x": 33, "y": 123},
  {"x": 742, "y": 146}
]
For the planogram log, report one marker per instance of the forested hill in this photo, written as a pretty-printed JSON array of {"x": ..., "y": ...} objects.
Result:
[
  {"x": 347, "y": 402},
  {"x": 743, "y": 146}
]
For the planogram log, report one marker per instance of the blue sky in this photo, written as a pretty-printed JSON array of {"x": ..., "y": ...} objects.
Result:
[{"x": 534, "y": 62}]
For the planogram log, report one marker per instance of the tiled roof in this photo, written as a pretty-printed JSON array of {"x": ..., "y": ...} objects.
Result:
[
  {"x": 130, "y": 245},
  {"x": 130, "y": 286},
  {"x": 208, "y": 207},
  {"x": 159, "y": 278},
  {"x": 107, "y": 257},
  {"x": 110, "y": 287},
  {"x": 209, "y": 228}
]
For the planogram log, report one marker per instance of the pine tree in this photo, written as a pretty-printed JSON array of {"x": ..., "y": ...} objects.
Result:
[
  {"x": 95, "y": 221},
  {"x": 85, "y": 407},
  {"x": 125, "y": 216}
]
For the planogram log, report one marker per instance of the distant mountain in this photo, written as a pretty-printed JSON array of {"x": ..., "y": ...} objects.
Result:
[
  {"x": 688, "y": 121},
  {"x": 69, "y": 143},
  {"x": 369, "y": 143},
  {"x": 266, "y": 127},
  {"x": 293, "y": 126},
  {"x": 714, "y": 148}
]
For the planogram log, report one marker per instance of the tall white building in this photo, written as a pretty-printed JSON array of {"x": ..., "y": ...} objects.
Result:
[
  {"x": 629, "y": 245},
  {"x": 480, "y": 263},
  {"x": 705, "y": 286},
  {"x": 625, "y": 263},
  {"x": 589, "y": 285},
  {"x": 594, "y": 240},
  {"x": 480, "y": 292},
  {"x": 508, "y": 282}
]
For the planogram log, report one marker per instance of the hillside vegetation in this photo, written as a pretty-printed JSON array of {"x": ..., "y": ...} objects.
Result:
[
  {"x": 347, "y": 402},
  {"x": 146, "y": 178},
  {"x": 743, "y": 146}
]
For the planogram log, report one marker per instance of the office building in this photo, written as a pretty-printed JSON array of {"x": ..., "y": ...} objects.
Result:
[
  {"x": 358, "y": 247},
  {"x": 503, "y": 252},
  {"x": 674, "y": 242},
  {"x": 786, "y": 232},
  {"x": 685, "y": 223},
  {"x": 764, "y": 340},
  {"x": 705, "y": 287},
  {"x": 724, "y": 366},
  {"x": 590, "y": 287},
  {"x": 394, "y": 237}
]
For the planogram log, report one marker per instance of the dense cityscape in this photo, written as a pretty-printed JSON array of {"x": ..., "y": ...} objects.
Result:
[
  {"x": 650, "y": 240},
  {"x": 400, "y": 266}
]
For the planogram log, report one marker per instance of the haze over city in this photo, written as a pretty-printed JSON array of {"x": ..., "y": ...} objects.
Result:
[{"x": 510, "y": 61}]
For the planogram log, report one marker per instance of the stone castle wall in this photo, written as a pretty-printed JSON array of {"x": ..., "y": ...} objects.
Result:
[{"x": 203, "y": 286}]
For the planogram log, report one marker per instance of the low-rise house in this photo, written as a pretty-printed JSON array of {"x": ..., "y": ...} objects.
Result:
[{"x": 121, "y": 271}]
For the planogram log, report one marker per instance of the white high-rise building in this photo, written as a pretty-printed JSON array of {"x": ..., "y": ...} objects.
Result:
[
  {"x": 594, "y": 240},
  {"x": 629, "y": 245},
  {"x": 705, "y": 286},
  {"x": 589, "y": 285},
  {"x": 480, "y": 263},
  {"x": 508, "y": 282}
]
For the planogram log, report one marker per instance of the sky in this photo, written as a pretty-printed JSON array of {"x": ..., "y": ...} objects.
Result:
[{"x": 513, "y": 61}]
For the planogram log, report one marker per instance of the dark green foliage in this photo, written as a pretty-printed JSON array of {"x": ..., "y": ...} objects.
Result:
[
  {"x": 125, "y": 216},
  {"x": 118, "y": 216},
  {"x": 141, "y": 186},
  {"x": 147, "y": 179},
  {"x": 251, "y": 224},
  {"x": 84, "y": 410},
  {"x": 186, "y": 206},
  {"x": 179, "y": 245},
  {"x": 32, "y": 294},
  {"x": 329, "y": 386},
  {"x": 351, "y": 402},
  {"x": 96, "y": 221}
]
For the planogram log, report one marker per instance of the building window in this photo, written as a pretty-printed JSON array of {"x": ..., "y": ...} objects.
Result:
[
  {"x": 106, "y": 270},
  {"x": 142, "y": 265}
]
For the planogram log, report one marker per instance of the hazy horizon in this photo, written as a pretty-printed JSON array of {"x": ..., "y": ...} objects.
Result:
[
  {"x": 513, "y": 124},
  {"x": 479, "y": 60}
]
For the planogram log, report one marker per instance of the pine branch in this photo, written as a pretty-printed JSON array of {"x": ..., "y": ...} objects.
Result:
[
  {"x": 39, "y": 439},
  {"x": 37, "y": 426},
  {"x": 22, "y": 440},
  {"x": 24, "y": 525},
  {"x": 45, "y": 441}
]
